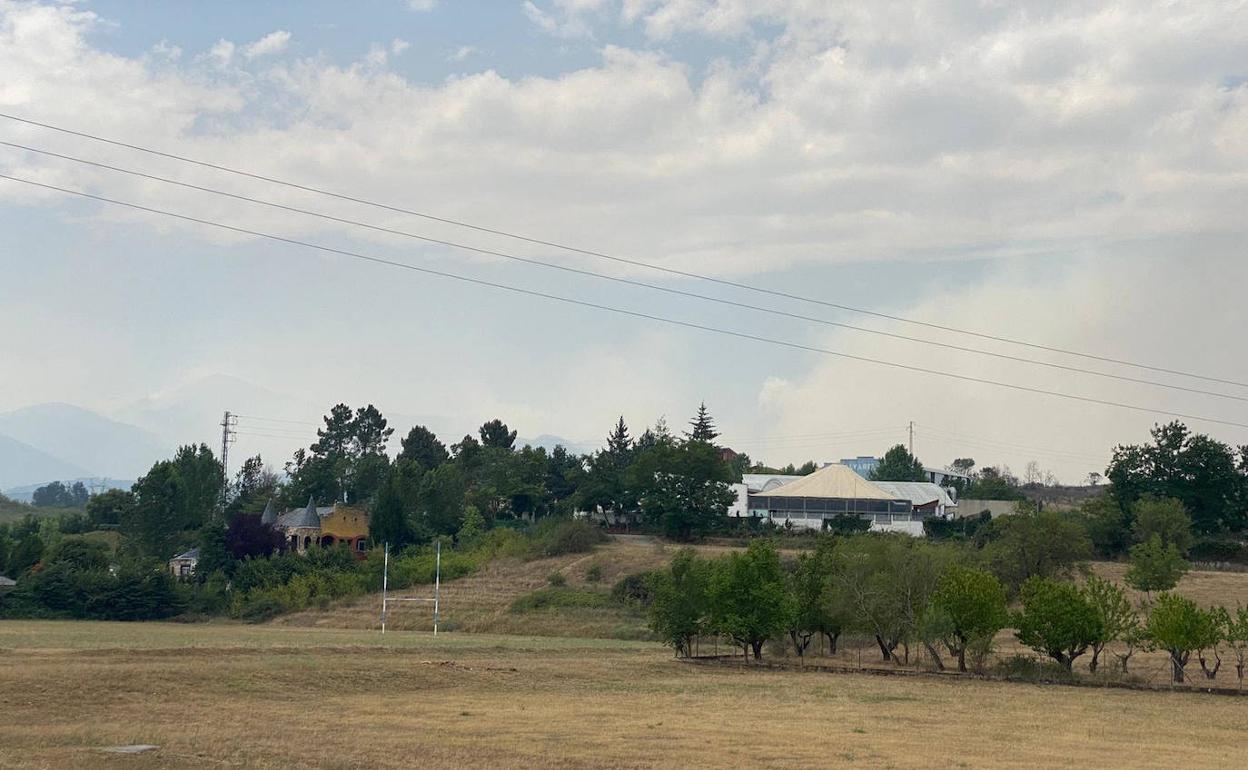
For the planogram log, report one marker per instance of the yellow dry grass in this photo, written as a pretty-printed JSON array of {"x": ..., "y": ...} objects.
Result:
[{"x": 275, "y": 697}]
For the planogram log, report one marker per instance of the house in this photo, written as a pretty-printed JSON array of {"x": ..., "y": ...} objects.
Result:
[
  {"x": 945, "y": 477},
  {"x": 324, "y": 526},
  {"x": 832, "y": 491},
  {"x": 7, "y": 584},
  {"x": 931, "y": 499},
  {"x": 183, "y": 565}
]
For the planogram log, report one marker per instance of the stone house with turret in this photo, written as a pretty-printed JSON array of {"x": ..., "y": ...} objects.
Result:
[{"x": 326, "y": 526}]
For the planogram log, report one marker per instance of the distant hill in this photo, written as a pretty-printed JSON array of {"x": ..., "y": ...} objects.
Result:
[
  {"x": 549, "y": 442},
  {"x": 21, "y": 463},
  {"x": 88, "y": 443}
]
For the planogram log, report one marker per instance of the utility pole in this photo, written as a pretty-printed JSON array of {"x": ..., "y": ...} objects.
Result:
[
  {"x": 912, "y": 438},
  {"x": 229, "y": 434}
]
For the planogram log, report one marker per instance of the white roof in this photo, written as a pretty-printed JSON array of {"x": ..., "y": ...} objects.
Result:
[
  {"x": 835, "y": 481},
  {"x": 765, "y": 482},
  {"x": 917, "y": 492}
]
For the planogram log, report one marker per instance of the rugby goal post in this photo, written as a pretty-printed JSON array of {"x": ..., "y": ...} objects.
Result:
[{"x": 437, "y": 588}]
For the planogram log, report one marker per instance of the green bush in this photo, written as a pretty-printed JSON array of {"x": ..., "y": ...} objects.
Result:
[
  {"x": 561, "y": 598},
  {"x": 594, "y": 573},
  {"x": 1029, "y": 669},
  {"x": 558, "y": 537},
  {"x": 1216, "y": 549},
  {"x": 633, "y": 589},
  {"x": 557, "y": 579}
]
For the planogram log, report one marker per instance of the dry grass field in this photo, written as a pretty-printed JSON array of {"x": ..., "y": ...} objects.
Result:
[{"x": 214, "y": 696}]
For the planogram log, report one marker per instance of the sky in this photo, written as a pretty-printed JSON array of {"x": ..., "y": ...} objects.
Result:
[{"x": 1073, "y": 175}]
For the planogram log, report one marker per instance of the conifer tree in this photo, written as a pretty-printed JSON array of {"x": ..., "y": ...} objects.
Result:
[{"x": 702, "y": 427}]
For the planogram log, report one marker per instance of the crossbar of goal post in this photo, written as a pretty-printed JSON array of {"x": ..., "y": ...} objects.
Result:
[{"x": 437, "y": 588}]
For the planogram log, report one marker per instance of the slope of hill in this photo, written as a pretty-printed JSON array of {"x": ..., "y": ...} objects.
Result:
[
  {"x": 21, "y": 463},
  {"x": 92, "y": 443}
]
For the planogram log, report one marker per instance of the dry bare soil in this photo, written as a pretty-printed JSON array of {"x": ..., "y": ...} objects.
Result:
[{"x": 214, "y": 696}]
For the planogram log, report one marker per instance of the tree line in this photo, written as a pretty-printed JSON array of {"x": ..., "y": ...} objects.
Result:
[{"x": 944, "y": 599}]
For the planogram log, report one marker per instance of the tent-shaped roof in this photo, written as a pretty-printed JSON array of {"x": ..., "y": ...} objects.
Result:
[
  {"x": 833, "y": 481},
  {"x": 304, "y": 517},
  {"x": 270, "y": 514},
  {"x": 765, "y": 482},
  {"x": 917, "y": 492}
]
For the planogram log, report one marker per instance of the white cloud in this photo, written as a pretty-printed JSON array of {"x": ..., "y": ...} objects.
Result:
[
  {"x": 854, "y": 133},
  {"x": 272, "y": 43},
  {"x": 222, "y": 52},
  {"x": 461, "y": 53},
  {"x": 398, "y": 46},
  {"x": 422, "y": 6}
]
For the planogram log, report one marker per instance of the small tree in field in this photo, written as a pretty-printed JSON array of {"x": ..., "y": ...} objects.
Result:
[
  {"x": 972, "y": 603},
  {"x": 748, "y": 600},
  {"x": 1176, "y": 625},
  {"x": 1237, "y": 639},
  {"x": 1057, "y": 620},
  {"x": 1155, "y": 566},
  {"x": 678, "y": 607},
  {"x": 1133, "y": 638},
  {"x": 1116, "y": 614},
  {"x": 1211, "y": 634}
]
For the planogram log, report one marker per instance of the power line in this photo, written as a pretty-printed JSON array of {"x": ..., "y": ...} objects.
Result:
[
  {"x": 627, "y": 281},
  {"x": 952, "y": 437},
  {"x": 622, "y": 311},
  {"x": 275, "y": 419},
  {"x": 618, "y": 259}
]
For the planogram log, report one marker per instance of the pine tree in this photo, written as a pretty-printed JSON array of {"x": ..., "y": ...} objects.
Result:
[
  {"x": 702, "y": 427},
  {"x": 618, "y": 442}
]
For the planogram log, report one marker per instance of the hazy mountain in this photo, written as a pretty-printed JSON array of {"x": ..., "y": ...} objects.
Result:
[
  {"x": 21, "y": 463},
  {"x": 84, "y": 439}
]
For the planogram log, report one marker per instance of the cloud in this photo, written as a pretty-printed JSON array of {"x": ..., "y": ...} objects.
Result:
[
  {"x": 1067, "y": 136},
  {"x": 422, "y": 6},
  {"x": 461, "y": 53},
  {"x": 272, "y": 43}
]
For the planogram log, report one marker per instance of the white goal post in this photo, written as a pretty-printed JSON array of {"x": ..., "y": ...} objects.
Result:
[{"x": 437, "y": 588}]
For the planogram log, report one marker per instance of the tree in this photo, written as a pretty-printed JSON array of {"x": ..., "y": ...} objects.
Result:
[
  {"x": 899, "y": 465},
  {"x": 173, "y": 499},
  {"x": 972, "y": 606},
  {"x": 1034, "y": 543},
  {"x": 106, "y": 510},
  {"x": 1057, "y": 620},
  {"x": 1201, "y": 473},
  {"x": 1155, "y": 567},
  {"x": 388, "y": 522},
  {"x": 253, "y": 487},
  {"x": 702, "y": 427},
  {"x": 1163, "y": 517},
  {"x": 472, "y": 529},
  {"x": 1237, "y": 639},
  {"x": 249, "y": 538},
  {"x": 495, "y": 434},
  {"x": 370, "y": 433},
  {"x": 619, "y": 445},
  {"x": 1211, "y": 632},
  {"x": 1117, "y": 616},
  {"x": 748, "y": 600},
  {"x": 421, "y": 446},
  {"x": 993, "y": 483},
  {"x": 59, "y": 495},
  {"x": 684, "y": 489},
  {"x": 1175, "y": 624},
  {"x": 809, "y": 587},
  {"x": 963, "y": 465},
  {"x": 1106, "y": 525},
  {"x": 679, "y": 601}
]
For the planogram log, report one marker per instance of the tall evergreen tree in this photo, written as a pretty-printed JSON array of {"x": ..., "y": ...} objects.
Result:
[
  {"x": 422, "y": 446},
  {"x": 618, "y": 442},
  {"x": 702, "y": 427},
  {"x": 496, "y": 434},
  {"x": 899, "y": 465}
]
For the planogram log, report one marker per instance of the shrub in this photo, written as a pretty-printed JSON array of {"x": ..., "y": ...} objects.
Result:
[
  {"x": 1215, "y": 549},
  {"x": 259, "y": 609},
  {"x": 557, "y": 578},
  {"x": 634, "y": 589},
  {"x": 557, "y": 537},
  {"x": 594, "y": 573},
  {"x": 1028, "y": 669}
]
